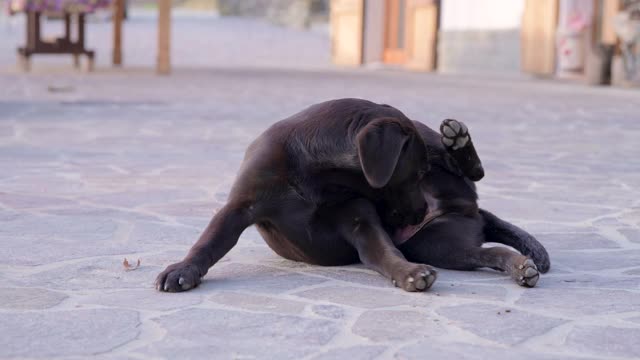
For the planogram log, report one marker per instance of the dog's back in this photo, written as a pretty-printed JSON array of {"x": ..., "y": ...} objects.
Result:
[{"x": 317, "y": 134}]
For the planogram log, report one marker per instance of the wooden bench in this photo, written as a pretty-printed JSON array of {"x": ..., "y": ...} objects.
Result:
[
  {"x": 68, "y": 9},
  {"x": 35, "y": 10}
]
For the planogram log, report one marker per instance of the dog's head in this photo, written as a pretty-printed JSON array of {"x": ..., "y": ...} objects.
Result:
[{"x": 394, "y": 159}]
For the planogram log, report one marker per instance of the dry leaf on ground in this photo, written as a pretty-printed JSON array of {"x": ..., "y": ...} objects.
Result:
[{"x": 128, "y": 266}]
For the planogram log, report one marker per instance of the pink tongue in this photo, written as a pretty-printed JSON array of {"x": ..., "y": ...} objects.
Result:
[
  {"x": 404, "y": 234},
  {"x": 408, "y": 231}
]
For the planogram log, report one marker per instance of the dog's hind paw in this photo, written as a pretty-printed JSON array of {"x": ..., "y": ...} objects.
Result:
[
  {"x": 417, "y": 277},
  {"x": 526, "y": 274},
  {"x": 457, "y": 142},
  {"x": 454, "y": 134},
  {"x": 178, "y": 277}
]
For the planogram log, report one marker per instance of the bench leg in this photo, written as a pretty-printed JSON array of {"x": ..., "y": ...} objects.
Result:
[
  {"x": 24, "y": 62},
  {"x": 32, "y": 39},
  {"x": 90, "y": 66}
]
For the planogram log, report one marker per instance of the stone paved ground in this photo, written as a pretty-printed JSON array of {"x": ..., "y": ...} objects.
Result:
[{"x": 125, "y": 164}]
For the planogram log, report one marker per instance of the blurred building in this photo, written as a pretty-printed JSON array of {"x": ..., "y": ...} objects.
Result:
[
  {"x": 563, "y": 38},
  {"x": 294, "y": 13}
]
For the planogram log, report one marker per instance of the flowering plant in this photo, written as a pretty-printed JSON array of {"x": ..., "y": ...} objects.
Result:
[{"x": 15, "y": 6}]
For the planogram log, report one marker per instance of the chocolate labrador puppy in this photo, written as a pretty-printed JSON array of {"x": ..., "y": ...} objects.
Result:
[
  {"x": 452, "y": 233},
  {"x": 312, "y": 184},
  {"x": 328, "y": 185}
]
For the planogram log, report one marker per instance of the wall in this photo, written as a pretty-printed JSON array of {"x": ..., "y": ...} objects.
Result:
[
  {"x": 293, "y": 13},
  {"x": 480, "y": 36},
  {"x": 373, "y": 31}
]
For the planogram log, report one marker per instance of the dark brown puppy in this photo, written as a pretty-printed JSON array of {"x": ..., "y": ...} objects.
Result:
[
  {"x": 311, "y": 183},
  {"x": 455, "y": 228}
]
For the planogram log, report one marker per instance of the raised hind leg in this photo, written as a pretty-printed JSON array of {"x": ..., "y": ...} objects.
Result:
[{"x": 457, "y": 140}]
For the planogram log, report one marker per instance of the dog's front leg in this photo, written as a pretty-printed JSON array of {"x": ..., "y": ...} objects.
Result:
[
  {"x": 358, "y": 222},
  {"x": 218, "y": 238}
]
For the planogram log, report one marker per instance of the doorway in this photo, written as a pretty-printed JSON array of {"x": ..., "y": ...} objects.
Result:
[{"x": 395, "y": 38}]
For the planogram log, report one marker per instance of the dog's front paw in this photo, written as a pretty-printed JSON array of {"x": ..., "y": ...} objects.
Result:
[
  {"x": 415, "y": 277},
  {"x": 526, "y": 273},
  {"x": 454, "y": 134},
  {"x": 178, "y": 277}
]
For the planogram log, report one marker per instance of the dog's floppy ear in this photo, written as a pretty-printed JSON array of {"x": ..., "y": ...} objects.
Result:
[{"x": 379, "y": 145}]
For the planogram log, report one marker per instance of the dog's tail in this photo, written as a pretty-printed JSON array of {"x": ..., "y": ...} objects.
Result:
[{"x": 500, "y": 231}]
